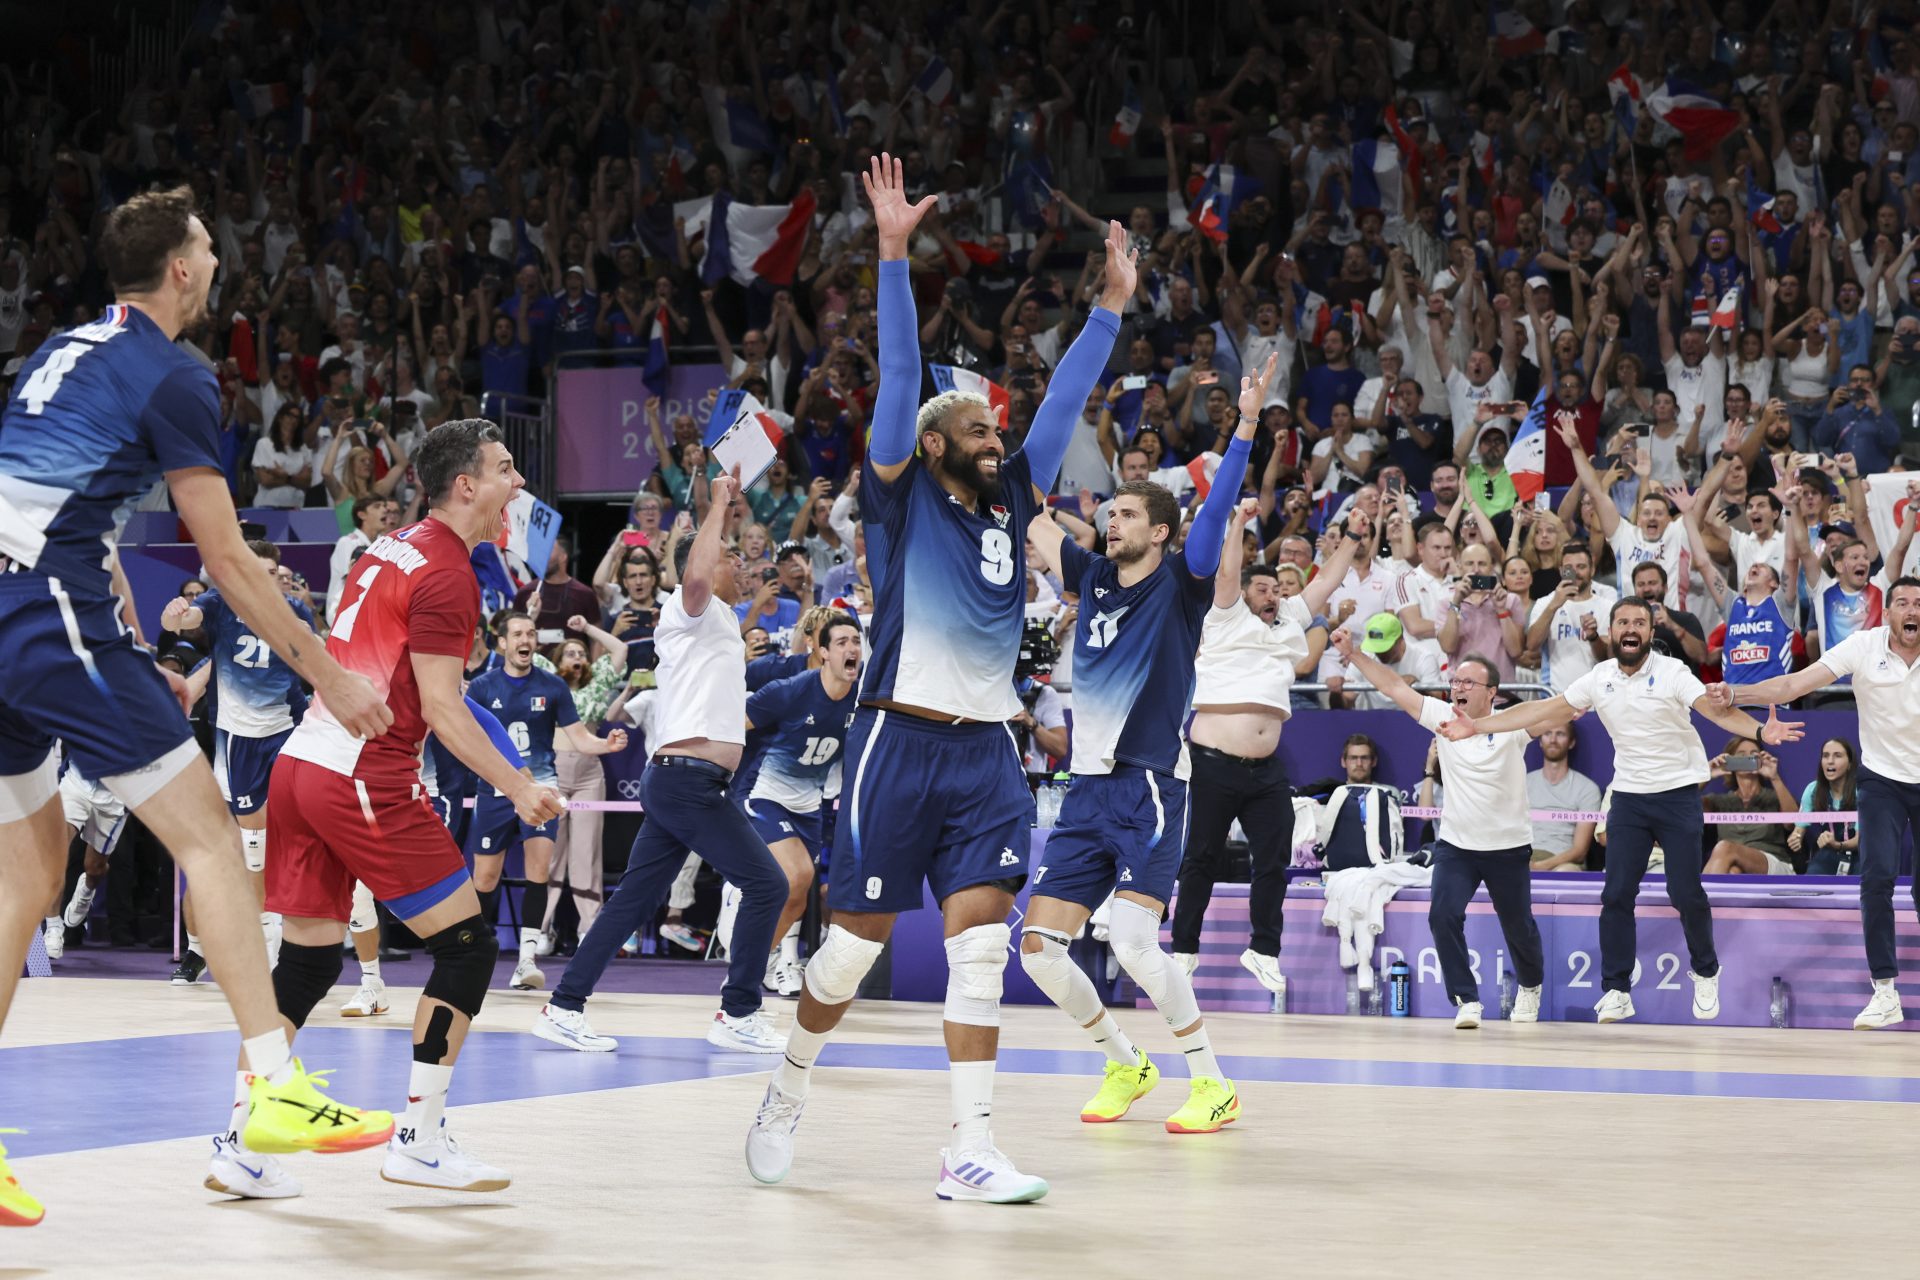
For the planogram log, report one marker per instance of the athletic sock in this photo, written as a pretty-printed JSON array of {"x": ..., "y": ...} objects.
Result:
[
  {"x": 529, "y": 944},
  {"x": 426, "y": 1100},
  {"x": 370, "y": 970},
  {"x": 971, "y": 1090},
  {"x": 533, "y": 916},
  {"x": 1199, "y": 1051},
  {"x": 242, "y": 1100},
  {"x": 1113, "y": 1041},
  {"x": 795, "y": 1071},
  {"x": 790, "y": 945},
  {"x": 193, "y": 944},
  {"x": 268, "y": 1054}
]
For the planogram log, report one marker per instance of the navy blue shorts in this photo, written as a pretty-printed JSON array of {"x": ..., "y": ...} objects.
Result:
[
  {"x": 941, "y": 803},
  {"x": 1121, "y": 830},
  {"x": 70, "y": 670},
  {"x": 243, "y": 766},
  {"x": 496, "y": 826},
  {"x": 776, "y": 822}
]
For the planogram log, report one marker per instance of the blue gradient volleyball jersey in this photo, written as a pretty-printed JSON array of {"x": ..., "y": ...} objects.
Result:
[
  {"x": 1133, "y": 651},
  {"x": 949, "y": 591},
  {"x": 532, "y": 708},
  {"x": 805, "y": 731},
  {"x": 259, "y": 695},
  {"x": 97, "y": 414}
]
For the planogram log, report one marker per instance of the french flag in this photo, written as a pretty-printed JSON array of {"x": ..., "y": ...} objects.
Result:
[
  {"x": 655, "y": 374},
  {"x": 256, "y": 101},
  {"x": 1126, "y": 121},
  {"x": 1527, "y": 455},
  {"x": 1701, "y": 121},
  {"x": 1623, "y": 88},
  {"x": 1513, "y": 35},
  {"x": 1486, "y": 156},
  {"x": 1376, "y": 177},
  {"x": 1765, "y": 219},
  {"x": 1727, "y": 314},
  {"x": 1409, "y": 149},
  {"x": 749, "y": 241},
  {"x": 936, "y": 81},
  {"x": 947, "y": 377},
  {"x": 1206, "y": 219},
  {"x": 1201, "y": 471}
]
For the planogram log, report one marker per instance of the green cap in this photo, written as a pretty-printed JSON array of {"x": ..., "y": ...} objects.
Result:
[{"x": 1383, "y": 632}]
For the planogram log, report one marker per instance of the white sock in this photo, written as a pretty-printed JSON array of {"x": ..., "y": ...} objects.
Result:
[
  {"x": 55, "y": 920},
  {"x": 370, "y": 970},
  {"x": 237, "y": 1117},
  {"x": 426, "y": 1101},
  {"x": 1885, "y": 984},
  {"x": 790, "y": 945},
  {"x": 1113, "y": 1041},
  {"x": 82, "y": 894},
  {"x": 268, "y": 1054},
  {"x": 193, "y": 943},
  {"x": 1199, "y": 1051},
  {"x": 971, "y": 1090},
  {"x": 529, "y": 943},
  {"x": 795, "y": 1071}
]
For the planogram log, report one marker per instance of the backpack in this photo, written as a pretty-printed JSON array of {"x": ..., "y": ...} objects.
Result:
[{"x": 1366, "y": 827}]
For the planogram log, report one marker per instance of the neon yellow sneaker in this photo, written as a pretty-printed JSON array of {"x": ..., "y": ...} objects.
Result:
[
  {"x": 17, "y": 1208},
  {"x": 1125, "y": 1085},
  {"x": 1211, "y": 1104},
  {"x": 296, "y": 1116}
]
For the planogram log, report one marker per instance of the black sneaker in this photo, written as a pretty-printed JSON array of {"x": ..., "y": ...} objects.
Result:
[{"x": 188, "y": 972}]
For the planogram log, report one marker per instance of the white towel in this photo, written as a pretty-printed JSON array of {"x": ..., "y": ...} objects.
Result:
[{"x": 1356, "y": 905}]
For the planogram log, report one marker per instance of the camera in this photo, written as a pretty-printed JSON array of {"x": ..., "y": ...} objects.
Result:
[
  {"x": 1038, "y": 650},
  {"x": 1482, "y": 581}
]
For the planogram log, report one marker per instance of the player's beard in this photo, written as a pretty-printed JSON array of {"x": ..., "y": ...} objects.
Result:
[
  {"x": 966, "y": 469},
  {"x": 1125, "y": 553},
  {"x": 1630, "y": 661}
]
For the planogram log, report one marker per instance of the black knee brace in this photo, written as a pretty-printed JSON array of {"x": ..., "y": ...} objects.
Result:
[
  {"x": 303, "y": 977},
  {"x": 463, "y": 956}
]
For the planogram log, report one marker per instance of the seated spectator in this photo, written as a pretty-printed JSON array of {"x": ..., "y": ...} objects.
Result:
[
  {"x": 1359, "y": 758},
  {"x": 1829, "y": 849},
  {"x": 1752, "y": 776},
  {"x": 1557, "y": 786}
]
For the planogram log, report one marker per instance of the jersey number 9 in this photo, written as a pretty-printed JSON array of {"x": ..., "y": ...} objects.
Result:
[{"x": 996, "y": 557}]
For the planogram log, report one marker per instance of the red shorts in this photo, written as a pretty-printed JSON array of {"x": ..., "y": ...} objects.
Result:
[{"x": 325, "y": 831}]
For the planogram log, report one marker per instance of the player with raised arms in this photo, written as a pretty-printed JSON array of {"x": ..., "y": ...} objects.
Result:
[
  {"x": 99, "y": 413},
  {"x": 1123, "y": 826},
  {"x": 936, "y": 794}
]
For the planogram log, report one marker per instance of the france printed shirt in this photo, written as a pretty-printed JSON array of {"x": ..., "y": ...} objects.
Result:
[{"x": 532, "y": 708}]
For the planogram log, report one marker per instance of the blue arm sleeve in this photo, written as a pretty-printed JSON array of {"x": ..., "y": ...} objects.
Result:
[
  {"x": 1210, "y": 524},
  {"x": 896, "y": 401},
  {"x": 1053, "y": 421},
  {"x": 498, "y": 733}
]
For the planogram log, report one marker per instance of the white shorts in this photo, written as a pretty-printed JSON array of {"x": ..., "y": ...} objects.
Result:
[
  {"x": 1777, "y": 866},
  {"x": 92, "y": 810}
]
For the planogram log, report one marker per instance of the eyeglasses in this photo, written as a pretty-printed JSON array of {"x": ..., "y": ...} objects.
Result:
[{"x": 1461, "y": 682}]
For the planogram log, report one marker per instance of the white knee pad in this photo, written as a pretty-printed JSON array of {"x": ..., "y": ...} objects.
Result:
[
  {"x": 363, "y": 916},
  {"x": 1136, "y": 941},
  {"x": 1055, "y": 973},
  {"x": 835, "y": 970},
  {"x": 253, "y": 845},
  {"x": 976, "y": 969}
]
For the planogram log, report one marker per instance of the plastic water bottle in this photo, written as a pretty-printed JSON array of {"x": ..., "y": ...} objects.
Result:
[
  {"x": 1353, "y": 991},
  {"x": 1400, "y": 985},
  {"x": 1375, "y": 1005},
  {"x": 1507, "y": 992},
  {"x": 1782, "y": 1006}
]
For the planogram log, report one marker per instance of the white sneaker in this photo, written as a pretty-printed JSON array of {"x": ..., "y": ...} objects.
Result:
[
  {"x": 370, "y": 1001},
  {"x": 545, "y": 946},
  {"x": 1706, "y": 997},
  {"x": 985, "y": 1174},
  {"x": 56, "y": 937},
  {"x": 440, "y": 1163},
  {"x": 751, "y": 1034},
  {"x": 1882, "y": 1011},
  {"x": 525, "y": 976},
  {"x": 80, "y": 908},
  {"x": 1615, "y": 1006},
  {"x": 1526, "y": 1006},
  {"x": 770, "y": 1140},
  {"x": 1467, "y": 1016},
  {"x": 789, "y": 977},
  {"x": 1265, "y": 968},
  {"x": 235, "y": 1171},
  {"x": 1188, "y": 960},
  {"x": 568, "y": 1028}
]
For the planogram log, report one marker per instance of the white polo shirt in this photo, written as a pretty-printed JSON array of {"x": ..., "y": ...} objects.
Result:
[
  {"x": 1242, "y": 659},
  {"x": 1649, "y": 715},
  {"x": 1486, "y": 781},
  {"x": 702, "y": 674},
  {"x": 1888, "y": 693},
  {"x": 1434, "y": 598}
]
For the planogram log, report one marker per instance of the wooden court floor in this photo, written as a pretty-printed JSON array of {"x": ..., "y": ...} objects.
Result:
[{"x": 1368, "y": 1147}]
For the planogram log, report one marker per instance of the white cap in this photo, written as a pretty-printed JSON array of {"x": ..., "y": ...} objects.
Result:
[{"x": 1539, "y": 282}]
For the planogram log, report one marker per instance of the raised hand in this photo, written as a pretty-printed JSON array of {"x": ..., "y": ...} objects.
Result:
[
  {"x": 1342, "y": 642},
  {"x": 577, "y": 623},
  {"x": 1248, "y": 510},
  {"x": 1253, "y": 391},
  {"x": 894, "y": 218},
  {"x": 1122, "y": 267},
  {"x": 722, "y": 488},
  {"x": 1776, "y": 731}
]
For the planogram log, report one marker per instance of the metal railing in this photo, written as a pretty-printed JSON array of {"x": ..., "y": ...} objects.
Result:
[
  {"x": 1360, "y": 686},
  {"x": 528, "y": 424}
]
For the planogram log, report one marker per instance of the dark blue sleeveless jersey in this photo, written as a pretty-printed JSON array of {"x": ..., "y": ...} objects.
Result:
[
  {"x": 949, "y": 591},
  {"x": 259, "y": 694},
  {"x": 533, "y": 708},
  {"x": 96, "y": 415},
  {"x": 805, "y": 730},
  {"x": 1759, "y": 643},
  {"x": 1133, "y": 651}
]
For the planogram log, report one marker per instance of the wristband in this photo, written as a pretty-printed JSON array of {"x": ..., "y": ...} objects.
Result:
[
  {"x": 1356, "y": 537},
  {"x": 1506, "y": 613}
]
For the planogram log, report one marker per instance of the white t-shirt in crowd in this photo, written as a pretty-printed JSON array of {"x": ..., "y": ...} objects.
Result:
[
  {"x": 1630, "y": 548},
  {"x": 265, "y": 454},
  {"x": 1701, "y": 384},
  {"x": 1463, "y": 398},
  {"x": 1566, "y": 656},
  {"x": 702, "y": 674},
  {"x": 1416, "y": 666},
  {"x": 1434, "y": 597},
  {"x": 1748, "y": 550},
  {"x": 1486, "y": 779},
  {"x": 1652, "y": 708},
  {"x": 1242, "y": 659},
  {"x": 1254, "y": 350},
  {"x": 1887, "y": 691},
  {"x": 1049, "y": 712}
]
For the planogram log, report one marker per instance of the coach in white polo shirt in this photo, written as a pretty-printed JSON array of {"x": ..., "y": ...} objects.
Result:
[
  {"x": 1485, "y": 834},
  {"x": 1643, "y": 699},
  {"x": 1885, "y": 666}
]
